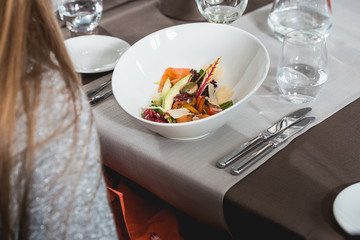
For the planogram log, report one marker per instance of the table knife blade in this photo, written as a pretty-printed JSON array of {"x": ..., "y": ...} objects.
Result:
[
  {"x": 267, "y": 147},
  {"x": 281, "y": 125}
]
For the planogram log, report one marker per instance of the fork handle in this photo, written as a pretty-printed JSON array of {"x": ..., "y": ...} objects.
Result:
[
  {"x": 250, "y": 160},
  {"x": 238, "y": 152}
]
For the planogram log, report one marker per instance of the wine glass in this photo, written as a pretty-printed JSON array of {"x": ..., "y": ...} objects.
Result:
[
  {"x": 221, "y": 11},
  {"x": 80, "y": 16}
]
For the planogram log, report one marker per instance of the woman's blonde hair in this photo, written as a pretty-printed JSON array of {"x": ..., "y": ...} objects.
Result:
[{"x": 29, "y": 40}]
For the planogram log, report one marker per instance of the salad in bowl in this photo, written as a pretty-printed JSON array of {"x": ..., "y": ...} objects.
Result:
[
  {"x": 204, "y": 74},
  {"x": 186, "y": 95}
]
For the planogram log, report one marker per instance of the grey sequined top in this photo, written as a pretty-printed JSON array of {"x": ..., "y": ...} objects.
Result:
[{"x": 67, "y": 193}]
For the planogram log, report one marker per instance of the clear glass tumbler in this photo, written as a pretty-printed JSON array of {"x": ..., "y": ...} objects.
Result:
[
  {"x": 303, "y": 66},
  {"x": 289, "y": 15},
  {"x": 221, "y": 11},
  {"x": 80, "y": 16}
]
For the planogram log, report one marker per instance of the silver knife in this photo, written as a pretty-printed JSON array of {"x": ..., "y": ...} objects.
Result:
[
  {"x": 98, "y": 88},
  {"x": 281, "y": 125},
  {"x": 269, "y": 146},
  {"x": 98, "y": 98}
]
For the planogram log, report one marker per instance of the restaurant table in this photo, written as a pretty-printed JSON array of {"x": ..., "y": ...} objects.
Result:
[{"x": 289, "y": 194}]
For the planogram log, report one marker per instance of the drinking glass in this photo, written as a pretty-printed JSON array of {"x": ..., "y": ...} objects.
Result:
[
  {"x": 303, "y": 65},
  {"x": 221, "y": 11},
  {"x": 289, "y": 15},
  {"x": 80, "y": 16}
]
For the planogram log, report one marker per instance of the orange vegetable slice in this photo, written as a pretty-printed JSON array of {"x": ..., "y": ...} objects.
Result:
[
  {"x": 191, "y": 108},
  {"x": 173, "y": 73},
  {"x": 201, "y": 116},
  {"x": 178, "y": 104},
  {"x": 200, "y": 102},
  {"x": 173, "y": 82},
  {"x": 185, "y": 118}
]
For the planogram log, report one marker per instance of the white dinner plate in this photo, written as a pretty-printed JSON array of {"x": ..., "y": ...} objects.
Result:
[
  {"x": 346, "y": 209},
  {"x": 95, "y": 53}
]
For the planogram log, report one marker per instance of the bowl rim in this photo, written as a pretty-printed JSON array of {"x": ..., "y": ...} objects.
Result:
[{"x": 218, "y": 115}]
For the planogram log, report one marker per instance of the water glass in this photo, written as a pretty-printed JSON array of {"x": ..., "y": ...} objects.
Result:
[
  {"x": 221, "y": 11},
  {"x": 289, "y": 15},
  {"x": 80, "y": 16},
  {"x": 303, "y": 65}
]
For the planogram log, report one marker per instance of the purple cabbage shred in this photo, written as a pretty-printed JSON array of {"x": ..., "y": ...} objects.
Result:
[{"x": 154, "y": 116}]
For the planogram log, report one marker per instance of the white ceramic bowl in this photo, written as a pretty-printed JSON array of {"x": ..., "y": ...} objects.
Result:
[{"x": 245, "y": 62}]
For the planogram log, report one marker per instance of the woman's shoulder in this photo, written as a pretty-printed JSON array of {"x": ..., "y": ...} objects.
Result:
[
  {"x": 59, "y": 111},
  {"x": 67, "y": 173},
  {"x": 60, "y": 106}
]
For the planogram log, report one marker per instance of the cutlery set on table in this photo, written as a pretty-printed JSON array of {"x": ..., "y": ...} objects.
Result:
[
  {"x": 98, "y": 98},
  {"x": 250, "y": 152}
]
